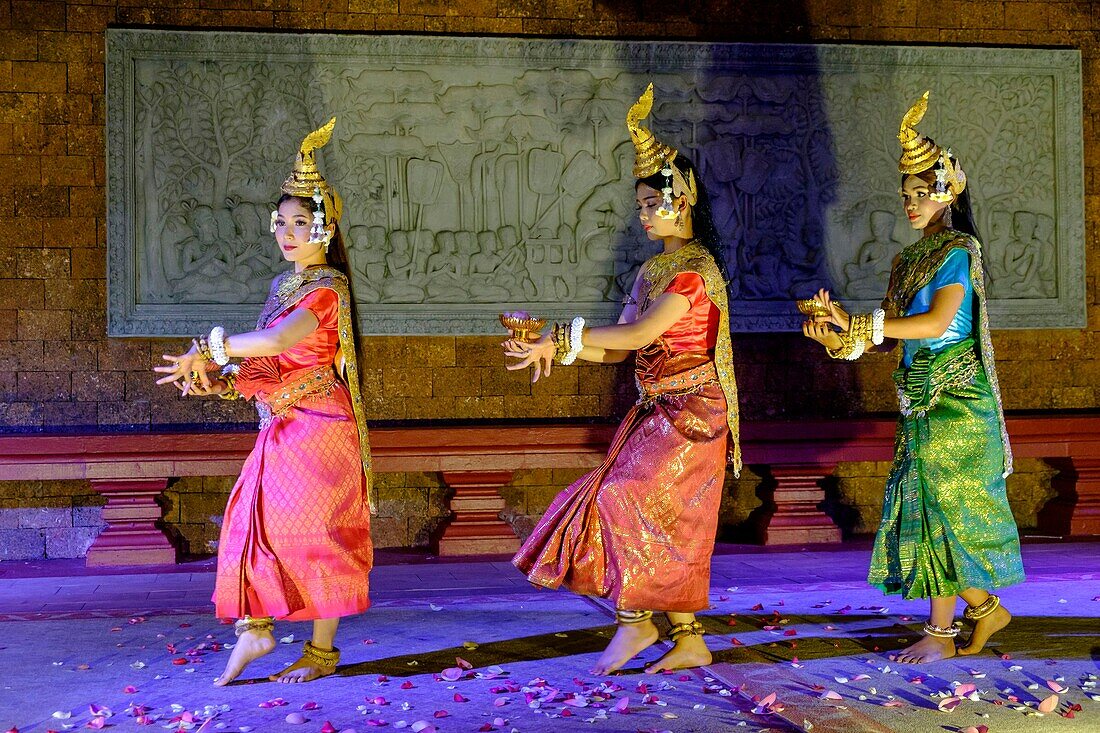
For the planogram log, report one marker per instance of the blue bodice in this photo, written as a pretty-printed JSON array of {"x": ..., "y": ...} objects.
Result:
[{"x": 955, "y": 270}]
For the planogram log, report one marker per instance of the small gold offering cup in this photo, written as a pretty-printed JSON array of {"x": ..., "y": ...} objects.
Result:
[
  {"x": 812, "y": 307},
  {"x": 523, "y": 326}
]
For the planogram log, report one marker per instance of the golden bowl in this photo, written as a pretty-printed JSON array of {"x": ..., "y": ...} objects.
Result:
[
  {"x": 523, "y": 326},
  {"x": 812, "y": 307}
]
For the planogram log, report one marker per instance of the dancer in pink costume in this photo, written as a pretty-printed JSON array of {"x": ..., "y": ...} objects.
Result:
[{"x": 295, "y": 543}]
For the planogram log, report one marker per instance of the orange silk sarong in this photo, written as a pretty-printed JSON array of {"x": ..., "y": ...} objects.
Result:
[
  {"x": 295, "y": 540},
  {"x": 640, "y": 528}
]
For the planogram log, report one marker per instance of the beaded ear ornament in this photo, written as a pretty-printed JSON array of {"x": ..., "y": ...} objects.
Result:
[
  {"x": 317, "y": 233},
  {"x": 950, "y": 179},
  {"x": 274, "y": 216},
  {"x": 676, "y": 185}
]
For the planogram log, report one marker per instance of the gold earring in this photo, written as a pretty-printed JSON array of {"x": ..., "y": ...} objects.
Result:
[{"x": 679, "y": 220}]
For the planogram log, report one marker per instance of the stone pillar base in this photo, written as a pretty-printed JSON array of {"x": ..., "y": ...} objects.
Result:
[
  {"x": 797, "y": 519},
  {"x": 476, "y": 527},
  {"x": 1076, "y": 509},
  {"x": 131, "y": 513}
]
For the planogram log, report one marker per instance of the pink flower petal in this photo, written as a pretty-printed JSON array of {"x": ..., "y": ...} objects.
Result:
[
  {"x": 964, "y": 690},
  {"x": 622, "y": 706},
  {"x": 1057, "y": 687},
  {"x": 463, "y": 663},
  {"x": 893, "y": 704},
  {"x": 296, "y": 718},
  {"x": 452, "y": 674},
  {"x": 310, "y": 705},
  {"x": 1048, "y": 705},
  {"x": 328, "y": 728},
  {"x": 831, "y": 695},
  {"x": 975, "y": 729},
  {"x": 460, "y": 698},
  {"x": 949, "y": 703}
]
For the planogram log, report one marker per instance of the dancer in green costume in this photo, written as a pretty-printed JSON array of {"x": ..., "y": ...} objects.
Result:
[{"x": 947, "y": 529}]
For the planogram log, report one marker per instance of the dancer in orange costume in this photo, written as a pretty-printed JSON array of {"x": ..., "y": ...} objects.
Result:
[
  {"x": 639, "y": 530},
  {"x": 295, "y": 543}
]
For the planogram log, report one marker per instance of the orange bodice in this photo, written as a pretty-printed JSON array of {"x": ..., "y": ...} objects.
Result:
[
  {"x": 697, "y": 330},
  {"x": 264, "y": 374}
]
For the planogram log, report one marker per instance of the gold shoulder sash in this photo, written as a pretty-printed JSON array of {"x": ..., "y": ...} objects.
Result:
[
  {"x": 655, "y": 276},
  {"x": 287, "y": 290},
  {"x": 916, "y": 267}
]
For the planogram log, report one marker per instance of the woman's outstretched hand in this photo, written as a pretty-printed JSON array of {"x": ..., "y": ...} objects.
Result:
[
  {"x": 540, "y": 354},
  {"x": 186, "y": 371}
]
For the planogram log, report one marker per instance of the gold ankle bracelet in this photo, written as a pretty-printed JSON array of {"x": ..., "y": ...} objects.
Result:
[
  {"x": 633, "y": 617},
  {"x": 690, "y": 628},
  {"x": 983, "y": 609},
  {"x": 941, "y": 632},
  {"x": 324, "y": 658},
  {"x": 250, "y": 623}
]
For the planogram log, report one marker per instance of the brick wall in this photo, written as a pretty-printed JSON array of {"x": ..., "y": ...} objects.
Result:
[{"x": 58, "y": 370}]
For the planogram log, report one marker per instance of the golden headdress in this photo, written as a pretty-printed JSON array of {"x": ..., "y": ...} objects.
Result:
[
  {"x": 919, "y": 153},
  {"x": 652, "y": 156},
  {"x": 305, "y": 180}
]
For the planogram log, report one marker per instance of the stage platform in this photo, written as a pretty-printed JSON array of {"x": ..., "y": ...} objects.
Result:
[{"x": 84, "y": 649}]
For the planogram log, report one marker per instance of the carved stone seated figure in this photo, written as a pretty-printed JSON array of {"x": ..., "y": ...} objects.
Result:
[
  {"x": 867, "y": 276},
  {"x": 208, "y": 266}
]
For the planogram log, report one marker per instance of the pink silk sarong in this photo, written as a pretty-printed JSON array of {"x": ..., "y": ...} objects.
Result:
[
  {"x": 640, "y": 528},
  {"x": 295, "y": 540}
]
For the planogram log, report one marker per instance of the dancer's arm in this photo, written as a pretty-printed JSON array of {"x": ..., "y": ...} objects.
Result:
[
  {"x": 934, "y": 323},
  {"x": 263, "y": 342},
  {"x": 604, "y": 344}
]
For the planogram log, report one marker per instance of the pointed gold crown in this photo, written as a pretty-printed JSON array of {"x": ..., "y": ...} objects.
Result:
[
  {"x": 305, "y": 179},
  {"x": 650, "y": 155},
  {"x": 918, "y": 153}
]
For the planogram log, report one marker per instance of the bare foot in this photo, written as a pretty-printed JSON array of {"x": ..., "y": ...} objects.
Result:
[
  {"x": 928, "y": 649},
  {"x": 985, "y": 628},
  {"x": 250, "y": 645},
  {"x": 303, "y": 670},
  {"x": 628, "y": 642},
  {"x": 690, "y": 651}
]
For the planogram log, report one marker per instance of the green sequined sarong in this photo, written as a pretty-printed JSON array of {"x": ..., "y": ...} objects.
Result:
[{"x": 946, "y": 523}]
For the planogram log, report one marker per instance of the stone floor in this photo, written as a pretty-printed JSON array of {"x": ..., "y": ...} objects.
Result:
[{"x": 469, "y": 646}]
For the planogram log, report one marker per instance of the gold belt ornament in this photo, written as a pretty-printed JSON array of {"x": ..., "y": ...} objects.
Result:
[
  {"x": 683, "y": 382},
  {"x": 318, "y": 381}
]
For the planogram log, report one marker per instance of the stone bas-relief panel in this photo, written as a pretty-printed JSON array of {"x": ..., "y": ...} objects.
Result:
[{"x": 481, "y": 174}]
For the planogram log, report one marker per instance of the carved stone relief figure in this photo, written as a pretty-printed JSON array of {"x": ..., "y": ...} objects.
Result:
[
  {"x": 491, "y": 171},
  {"x": 863, "y": 277}
]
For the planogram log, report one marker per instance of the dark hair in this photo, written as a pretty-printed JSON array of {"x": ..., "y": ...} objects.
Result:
[
  {"x": 962, "y": 213},
  {"x": 702, "y": 221},
  {"x": 337, "y": 256}
]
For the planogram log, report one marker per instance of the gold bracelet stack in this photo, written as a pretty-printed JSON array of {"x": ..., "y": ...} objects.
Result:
[
  {"x": 854, "y": 340},
  {"x": 561, "y": 341},
  {"x": 229, "y": 376},
  {"x": 204, "y": 349},
  {"x": 980, "y": 611}
]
